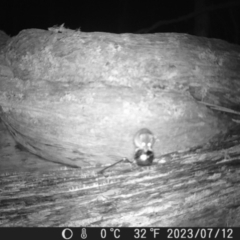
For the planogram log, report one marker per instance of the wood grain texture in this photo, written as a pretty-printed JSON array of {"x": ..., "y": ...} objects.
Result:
[
  {"x": 14, "y": 159},
  {"x": 78, "y": 98},
  {"x": 198, "y": 188}
]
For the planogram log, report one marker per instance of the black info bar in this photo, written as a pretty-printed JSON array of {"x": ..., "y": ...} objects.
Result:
[{"x": 119, "y": 233}]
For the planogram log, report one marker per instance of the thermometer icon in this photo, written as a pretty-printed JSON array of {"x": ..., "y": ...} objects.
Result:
[{"x": 84, "y": 233}]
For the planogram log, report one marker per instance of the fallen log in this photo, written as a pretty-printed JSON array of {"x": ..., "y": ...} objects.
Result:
[
  {"x": 198, "y": 188},
  {"x": 78, "y": 98}
]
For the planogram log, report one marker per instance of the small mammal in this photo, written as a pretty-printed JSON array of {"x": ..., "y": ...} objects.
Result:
[{"x": 144, "y": 140}]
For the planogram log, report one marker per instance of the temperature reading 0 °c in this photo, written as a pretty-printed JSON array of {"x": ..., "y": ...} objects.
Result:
[{"x": 116, "y": 233}]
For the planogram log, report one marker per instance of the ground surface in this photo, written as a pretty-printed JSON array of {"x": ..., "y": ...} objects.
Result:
[{"x": 199, "y": 189}]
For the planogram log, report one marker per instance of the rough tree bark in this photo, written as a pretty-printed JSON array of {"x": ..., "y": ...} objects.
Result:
[
  {"x": 78, "y": 98},
  {"x": 198, "y": 188}
]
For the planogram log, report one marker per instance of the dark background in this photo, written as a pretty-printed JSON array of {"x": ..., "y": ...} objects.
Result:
[{"x": 210, "y": 18}]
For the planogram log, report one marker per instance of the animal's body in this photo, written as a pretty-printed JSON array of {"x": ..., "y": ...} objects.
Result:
[
  {"x": 143, "y": 158},
  {"x": 144, "y": 140}
]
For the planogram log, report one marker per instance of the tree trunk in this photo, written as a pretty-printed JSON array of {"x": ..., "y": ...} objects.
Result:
[
  {"x": 195, "y": 189},
  {"x": 78, "y": 98}
]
